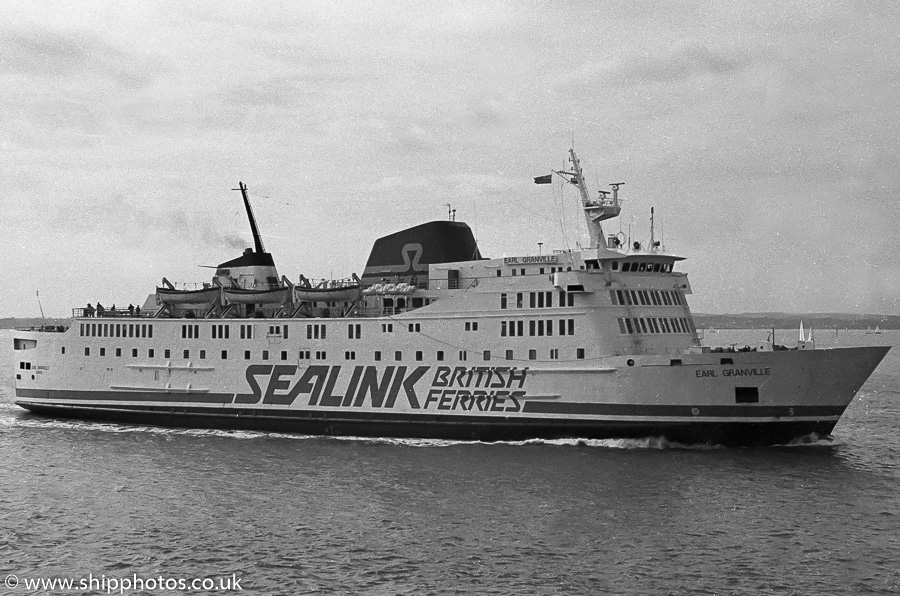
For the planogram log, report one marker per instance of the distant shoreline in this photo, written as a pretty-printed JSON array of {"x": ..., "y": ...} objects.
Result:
[{"x": 701, "y": 320}]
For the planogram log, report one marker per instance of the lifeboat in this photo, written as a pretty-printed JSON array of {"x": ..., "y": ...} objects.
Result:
[
  {"x": 168, "y": 294},
  {"x": 345, "y": 290}
]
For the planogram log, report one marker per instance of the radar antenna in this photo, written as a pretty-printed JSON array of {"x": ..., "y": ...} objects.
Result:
[{"x": 595, "y": 210}]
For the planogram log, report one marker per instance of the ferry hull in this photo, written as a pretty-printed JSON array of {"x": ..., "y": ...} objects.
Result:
[
  {"x": 694, "y": 399},
  {"x": 729, "y": 433}
]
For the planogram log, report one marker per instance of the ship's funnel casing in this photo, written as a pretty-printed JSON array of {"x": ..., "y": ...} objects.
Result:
[
  {"x": 251, "y": 271},
  {"x": 407, "y": 254}
]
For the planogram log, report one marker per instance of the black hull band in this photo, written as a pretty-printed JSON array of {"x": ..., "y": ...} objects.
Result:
[{"x": 731, "y": 433}]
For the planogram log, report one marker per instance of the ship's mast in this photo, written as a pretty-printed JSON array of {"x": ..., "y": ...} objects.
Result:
[
  {"x": 257, "y": 240},
  {"x": 595, "y": 210}
]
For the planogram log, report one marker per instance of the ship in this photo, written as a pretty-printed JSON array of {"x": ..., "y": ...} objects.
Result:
[{"x": 434, "y": 340}]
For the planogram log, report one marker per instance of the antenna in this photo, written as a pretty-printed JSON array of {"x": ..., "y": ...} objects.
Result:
[
  {"x": 257, "y": 240},
  {"x": 43, "y": 321}
]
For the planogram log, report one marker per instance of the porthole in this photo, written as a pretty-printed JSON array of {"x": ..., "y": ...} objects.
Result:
[{"x": 630, "y": 362}]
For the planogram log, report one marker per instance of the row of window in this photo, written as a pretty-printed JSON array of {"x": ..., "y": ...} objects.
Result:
[
  {"x": 537, "y": 327},
  {"x": 626, "y": 266},
  {"x": 521, "y": 271},
  {"x": 629, "y": 325},
  {"x": 115, "y": 330},
  {"x": 643, "y": 267},
  {"x": 537, "y": 299},
  {"x": 323, "y": 355},
  {"x": 646, "y": 298}
]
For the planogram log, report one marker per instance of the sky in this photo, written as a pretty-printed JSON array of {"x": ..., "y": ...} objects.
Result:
[{"x": 766, "y": 136}]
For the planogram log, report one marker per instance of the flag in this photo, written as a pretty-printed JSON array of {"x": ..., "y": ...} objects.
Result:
[{"x": 544, "y": 179}]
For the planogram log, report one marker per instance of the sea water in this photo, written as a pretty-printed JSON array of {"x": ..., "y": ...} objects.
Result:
[{"x": 133, "y": 509}]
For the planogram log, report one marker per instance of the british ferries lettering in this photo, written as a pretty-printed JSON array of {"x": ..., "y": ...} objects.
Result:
[{"x": 480, "y": 388}]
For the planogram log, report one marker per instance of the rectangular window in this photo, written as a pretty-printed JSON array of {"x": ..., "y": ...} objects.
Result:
[
  {"x": 532, "y": 328},
  {"x": 377, "y": 355},
  {"x": 103, "y": 351},
  {"x": 643, "y": 323},
  {"x": 202, "y": 354},
  {"x": 187, "y": 354},
  {"x": 398, "y": 355},
  {"x": 502, "y": 328},
  {"x": 579, "y": 353},
  {"x": 502, "y": 300},
  {"x": 487, "y": 354},
  {"x": 532, "y": 354},
  {"x": 134, "y": 352},
  {"x": 246, "y": 354},
  {"x": 224, "y": 354},
  {"x": 520, "y": 300},
  {"x": 628, "y": 326},
  {"x": 150, "y": 353},
  {"x": 463, "y": 355},
  {"x": 571, "y": 326},
  {"x": 87, "y": 351},
  {"x": 621, "y": 322},
  {"x": 265, "y": 355},
  {"x": 509, "y": 354},
  {"x": 554, "y": 354},
  {"x": 167, "y": 353},
  {"x": 419, "y": 355},
  {"x": 746, "y": 395},
  {"x": 440, "y": 355}
]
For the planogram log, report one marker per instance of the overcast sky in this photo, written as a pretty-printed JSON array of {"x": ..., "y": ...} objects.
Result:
[{"x": 765, "y": 134}]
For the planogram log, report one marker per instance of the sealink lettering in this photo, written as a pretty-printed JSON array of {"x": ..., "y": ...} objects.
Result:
[{"x": 325, "y": 386}]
